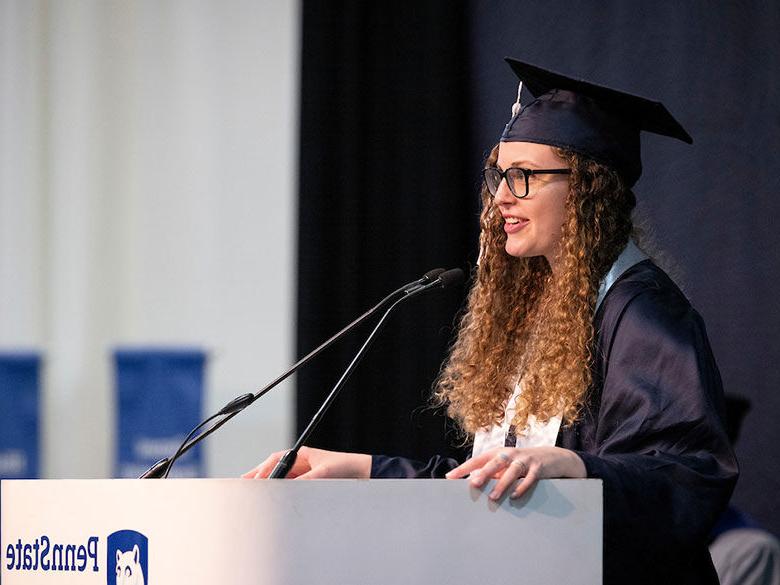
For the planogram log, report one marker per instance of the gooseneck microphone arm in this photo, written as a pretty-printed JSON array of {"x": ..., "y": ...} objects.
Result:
[
  {"x": 287, "y": 460},
  {"x": 163, "y": 467}
]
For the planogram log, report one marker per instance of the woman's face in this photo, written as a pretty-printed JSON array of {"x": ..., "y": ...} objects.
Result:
[{"x": 533, "y": 224}]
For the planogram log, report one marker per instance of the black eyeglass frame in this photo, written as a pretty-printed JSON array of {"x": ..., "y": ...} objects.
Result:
[{"x": 526, "y": 173}]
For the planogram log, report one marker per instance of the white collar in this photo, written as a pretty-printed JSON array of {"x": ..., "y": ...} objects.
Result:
[{"x": 630, "y": 256}]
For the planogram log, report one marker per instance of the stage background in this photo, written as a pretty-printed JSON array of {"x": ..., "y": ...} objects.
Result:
[{"x": 400, "y": 107}]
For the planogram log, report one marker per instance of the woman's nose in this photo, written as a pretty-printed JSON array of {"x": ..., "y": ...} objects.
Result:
[{"x": 503, "y": 194}]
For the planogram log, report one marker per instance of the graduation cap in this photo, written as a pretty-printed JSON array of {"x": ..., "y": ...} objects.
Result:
[{"x": 596, "y": 121}]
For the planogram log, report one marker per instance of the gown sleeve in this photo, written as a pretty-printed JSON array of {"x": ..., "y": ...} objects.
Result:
[
  {"x": 386, "y": 467},
  {"x": 658, "y": 440}
]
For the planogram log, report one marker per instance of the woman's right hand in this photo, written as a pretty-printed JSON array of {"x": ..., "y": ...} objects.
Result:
[{"x": 317, "y": 464}]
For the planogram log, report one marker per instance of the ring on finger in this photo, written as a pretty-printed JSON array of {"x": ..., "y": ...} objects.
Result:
[{"x": 521, "y": 464}]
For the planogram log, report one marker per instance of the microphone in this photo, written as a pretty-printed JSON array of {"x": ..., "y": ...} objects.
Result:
[
  {"x": 446, "y": 279},
  {"x": 443, "y": 280},
  {"x": 163, "y": 467}
]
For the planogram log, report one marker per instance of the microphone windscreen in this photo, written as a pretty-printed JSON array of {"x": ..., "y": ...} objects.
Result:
[
  {"x": 431, "y": 275},
  {"x": 450, "y": 277}
]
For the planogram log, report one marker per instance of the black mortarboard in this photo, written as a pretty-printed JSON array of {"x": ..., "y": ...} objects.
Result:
[{"x": 596, "y": 121}]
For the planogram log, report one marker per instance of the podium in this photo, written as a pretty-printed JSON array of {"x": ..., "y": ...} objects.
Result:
[{"x": 283, "y": 532}]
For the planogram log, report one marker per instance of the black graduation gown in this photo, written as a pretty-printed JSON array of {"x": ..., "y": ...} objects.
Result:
[{"x": 652, "y": 430}]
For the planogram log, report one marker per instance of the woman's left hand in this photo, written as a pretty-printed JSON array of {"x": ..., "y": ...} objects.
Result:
[{"x": 508, "y": 464}]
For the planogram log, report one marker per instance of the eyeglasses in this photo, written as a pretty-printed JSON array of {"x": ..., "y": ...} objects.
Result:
[{"x": 516, "y": 178}]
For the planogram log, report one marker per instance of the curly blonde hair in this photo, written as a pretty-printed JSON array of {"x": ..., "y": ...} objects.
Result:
[{"x": 524, "y": 324}]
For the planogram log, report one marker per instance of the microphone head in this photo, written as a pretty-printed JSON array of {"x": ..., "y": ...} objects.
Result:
[
  {"x": 450, "y": 277},
  {"x": 431, "y": 275}
]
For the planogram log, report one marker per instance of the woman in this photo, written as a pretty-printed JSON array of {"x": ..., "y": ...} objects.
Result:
[{"x": 578, "y": 357}]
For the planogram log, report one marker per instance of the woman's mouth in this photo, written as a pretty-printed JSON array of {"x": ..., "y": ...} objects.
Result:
[{"x": 512, "y": 225}]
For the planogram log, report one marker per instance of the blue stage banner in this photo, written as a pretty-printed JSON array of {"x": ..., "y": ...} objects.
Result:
[
  {"x": 160, "y": 397},
  {"x": 19, "y": 398}
]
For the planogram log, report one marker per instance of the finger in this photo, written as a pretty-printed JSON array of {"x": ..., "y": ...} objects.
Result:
[
  {"x": 265, "y": 468},
  {"x": 301, "y": 465},
  {"x": 319, "y": 472},
  {"x": 495, "y": 465},
  {"x": 468, "y": 466},
  {"x": 515, "y": 470},
  {"x": 527, "y": 483},
  {"x": 254, "y": 473}
]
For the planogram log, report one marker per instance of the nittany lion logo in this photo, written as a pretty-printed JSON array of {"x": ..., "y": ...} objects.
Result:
[{"x": 127, "y": 560}]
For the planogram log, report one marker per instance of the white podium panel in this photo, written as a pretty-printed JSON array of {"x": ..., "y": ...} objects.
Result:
[{"x": 279, "y": 532}]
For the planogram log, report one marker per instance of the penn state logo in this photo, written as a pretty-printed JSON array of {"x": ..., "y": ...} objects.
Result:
[{"x": 127, "y": 561}]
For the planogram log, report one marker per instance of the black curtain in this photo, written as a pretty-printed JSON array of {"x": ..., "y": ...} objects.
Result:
[
  {"x": 386, "y": 193},
  {"x": 398, "y": 109}
]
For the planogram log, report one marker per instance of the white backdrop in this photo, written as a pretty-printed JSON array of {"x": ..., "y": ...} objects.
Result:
[{"x": 147, "y": 196}]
